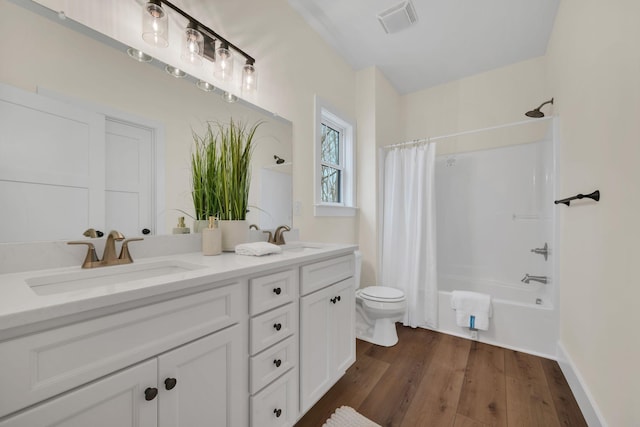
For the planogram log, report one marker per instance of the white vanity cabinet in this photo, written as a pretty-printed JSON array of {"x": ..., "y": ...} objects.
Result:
[
  {"x": 273, "y": 349},
  {"x": 327, "y": 326},
  {"x": 58, "y": 363},
  {"x": 180, "y": 388},
  {"x": 250, "y": 341}
]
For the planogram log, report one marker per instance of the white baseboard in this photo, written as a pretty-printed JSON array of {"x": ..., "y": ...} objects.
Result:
[{"x": 587, "y": 404}]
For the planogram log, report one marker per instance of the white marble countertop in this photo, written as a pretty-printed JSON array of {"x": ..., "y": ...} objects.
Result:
[{"x": 21, "y": 306}]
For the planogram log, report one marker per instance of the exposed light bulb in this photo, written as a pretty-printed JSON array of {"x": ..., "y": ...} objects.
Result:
[
  {"x": 249, "y": 79},
  {"x": 223, "y": 68},
  {"x": 193, "y": 46}
]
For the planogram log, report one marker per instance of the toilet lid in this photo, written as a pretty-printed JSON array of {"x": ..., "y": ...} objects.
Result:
[{"x": 382, "y": 293}]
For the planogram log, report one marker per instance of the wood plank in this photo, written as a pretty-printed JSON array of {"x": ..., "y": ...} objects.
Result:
[
  {"x": 351, "y": 390},
  {"x": 389, "y": 401},
  {"x": 523, "y": 366},
  {"x": 530, "y": 404},
  {"x": 567, "y": 408},
  {"x": 436, "y": 398},
  {"x": 483, "y": 396},
  {"x": 462, "y": 421}
]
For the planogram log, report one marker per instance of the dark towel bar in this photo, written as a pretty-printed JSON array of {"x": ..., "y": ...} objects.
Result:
[{"x": 595, "y": 196}]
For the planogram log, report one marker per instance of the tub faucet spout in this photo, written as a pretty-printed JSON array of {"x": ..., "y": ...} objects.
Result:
[{"x": 527, "y": 278}]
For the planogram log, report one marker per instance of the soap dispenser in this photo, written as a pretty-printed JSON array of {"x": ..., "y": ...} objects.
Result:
[
  {"x": 212, "y": 238},
  {"x": 181, "y": 228}
]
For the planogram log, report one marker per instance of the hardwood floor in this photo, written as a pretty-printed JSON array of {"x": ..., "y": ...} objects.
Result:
[{"x": 432, "y": 379}]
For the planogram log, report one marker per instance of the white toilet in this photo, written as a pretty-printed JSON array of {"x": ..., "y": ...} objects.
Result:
[{"x": 378, "y": 308}]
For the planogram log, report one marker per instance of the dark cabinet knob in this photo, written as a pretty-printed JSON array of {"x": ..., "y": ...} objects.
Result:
[
  {"x": 338, "y": 297},
  {"x": 333, "y": 300},
  {"x": 277, "y": 362},
  {"x": 277, "y": 291},
  {"x": 150, "y": 393},
  {"x": 170, "y": 383},
  {"x": 277, "y": 326},
  {"x": 146, "y": 231},
  {"x": 278, "y": 412},
  {"x": 99, "y": 233}
]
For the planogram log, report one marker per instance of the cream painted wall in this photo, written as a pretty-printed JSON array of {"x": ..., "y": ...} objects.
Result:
[
  {"x": 489, "y": 99},
  {"x": 378, "y": 107},
  {"x": 594, "y": 69}
]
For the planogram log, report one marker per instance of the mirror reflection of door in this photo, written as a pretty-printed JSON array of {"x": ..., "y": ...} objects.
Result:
[{"x": 64, "y": 169}]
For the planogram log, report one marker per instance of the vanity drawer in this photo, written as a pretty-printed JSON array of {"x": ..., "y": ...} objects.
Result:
[
  {"x": 276, "y": 405},
  {"x": 273, "y": 362},
  {"x": 37, "y": 366},
  {"x": 324, "y": 273},
  {"x": 271, "y": 327},
  {"x": 272, "y": 291}
]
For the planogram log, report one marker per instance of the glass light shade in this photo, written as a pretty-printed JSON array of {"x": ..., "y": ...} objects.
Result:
[
  {"x": 229, "y": 97},
  {"x": 223, "y": 68},
  {"x": 192, "y": 46},
  {"x": 155, "y": 25},
  {"x": 249, "y": 79},
  {"x": 175, "y": 72},
  {"x": 205, "y": 86},
  {"x": 138, "y": 55}
]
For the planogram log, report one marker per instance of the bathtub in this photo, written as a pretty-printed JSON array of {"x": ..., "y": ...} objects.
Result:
[{"x": 518, "y": 322}]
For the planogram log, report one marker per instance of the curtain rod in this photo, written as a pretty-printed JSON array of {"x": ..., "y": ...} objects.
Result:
[{"x": 466, "y": 132}]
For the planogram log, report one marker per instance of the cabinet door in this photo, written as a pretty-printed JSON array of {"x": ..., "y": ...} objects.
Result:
[
  {"x": 315, "y": 344},
  {"x": 343, "y": 333},
  {"x": 117, "y": 400},
  {"x": 199, "y": 383}
]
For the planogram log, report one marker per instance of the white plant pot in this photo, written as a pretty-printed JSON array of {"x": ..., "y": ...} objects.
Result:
[{"x": 234, "y": 232}]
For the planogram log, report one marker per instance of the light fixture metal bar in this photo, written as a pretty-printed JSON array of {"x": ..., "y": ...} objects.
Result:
[{"x": 209, "y": 32}]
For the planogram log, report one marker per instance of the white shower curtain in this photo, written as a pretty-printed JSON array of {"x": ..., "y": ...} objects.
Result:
[{"x": 408, "y": 255}]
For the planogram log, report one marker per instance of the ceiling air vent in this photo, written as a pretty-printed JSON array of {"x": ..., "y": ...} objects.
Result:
[{"x": 398, "y": 17}]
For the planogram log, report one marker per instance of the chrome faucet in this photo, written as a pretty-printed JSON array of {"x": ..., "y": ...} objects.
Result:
[
  {"x": 527, "y": 278},
  {"x": 91, "y": 260},
  {"x": 278, "y": 237}
]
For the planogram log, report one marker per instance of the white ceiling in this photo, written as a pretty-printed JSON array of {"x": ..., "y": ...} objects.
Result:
[{"x": 452, "y": 39}]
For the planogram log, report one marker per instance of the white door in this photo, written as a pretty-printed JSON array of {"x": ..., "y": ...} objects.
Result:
[
  {"x": 51, "y": 168},
  {"x": 315, "y": 346},
  {"x": 117, "y": 400},
  {"x": 199, "y": 382},
  {"x": 129, "y": 183}
]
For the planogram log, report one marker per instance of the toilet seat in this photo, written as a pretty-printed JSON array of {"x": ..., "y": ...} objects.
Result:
[{"x": 382, "y": 294}]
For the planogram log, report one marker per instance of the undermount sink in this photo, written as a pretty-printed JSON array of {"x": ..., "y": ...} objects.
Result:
[
  {"x": 104, "y": 276},
  {"x": 301, "y": 246}
]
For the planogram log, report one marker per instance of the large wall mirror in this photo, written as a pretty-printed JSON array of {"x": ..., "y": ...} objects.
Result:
[{"x": 71, "y": 74}]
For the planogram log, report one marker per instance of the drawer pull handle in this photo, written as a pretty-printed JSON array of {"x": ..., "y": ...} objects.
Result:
[
  {"x": 277, "y": 326},
  {"x": 277, "y": 362},
  {"x": 170, "y": 383},
  {"x": 150, "y": 393},
  {"x": 277, "y": 291},
  {"x": 278, "y": 412}
]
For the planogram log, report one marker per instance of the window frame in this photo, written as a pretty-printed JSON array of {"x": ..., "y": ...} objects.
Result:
[{"x": 331, "y": 117}]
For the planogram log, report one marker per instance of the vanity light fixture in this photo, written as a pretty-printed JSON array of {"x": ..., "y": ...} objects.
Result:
[
  {"x": 205, "y": 86},
  {"x": 223, "y": 66},
  {"x": 198, "y": 42},
  {"x": 138, "y": 55},
  {"x": 192, "y": 45},
  {"x": 175, "y": 72},
  {"x": 249, "y": 79},
  {"x": 155, "y": 24}
]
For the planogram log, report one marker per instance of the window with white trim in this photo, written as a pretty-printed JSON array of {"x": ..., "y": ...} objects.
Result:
[{"x": 334, "y": 163}]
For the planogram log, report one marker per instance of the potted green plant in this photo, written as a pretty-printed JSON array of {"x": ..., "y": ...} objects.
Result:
[{"x": 221, "y": 177}]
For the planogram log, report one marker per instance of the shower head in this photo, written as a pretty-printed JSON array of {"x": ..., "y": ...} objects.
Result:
[
  {"x": 279, "y": 160},
  {"x": 536, "y": 114}
]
